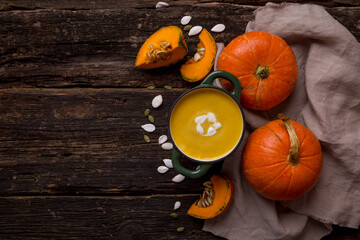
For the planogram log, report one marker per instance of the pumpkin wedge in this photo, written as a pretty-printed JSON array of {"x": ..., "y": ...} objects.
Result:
[
  {"x": 163, "y": 48},
  {"x": 201, "y": 64},
  {"x": 216, "y": 198}
]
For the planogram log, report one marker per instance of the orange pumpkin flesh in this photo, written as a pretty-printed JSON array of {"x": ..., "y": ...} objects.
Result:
[
  {"x": 282, "y": 159},
  {"x": 192, "y": 70},
  {"x": 265, "y": 66},
  {"x": 223, "y": 195},
  {"x": 163, "y": 48}
]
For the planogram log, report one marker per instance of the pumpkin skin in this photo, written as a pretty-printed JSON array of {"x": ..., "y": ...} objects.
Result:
[
  {"x": 173, "y": 54},
  {"x": 267, "y": 168},
  {"x": 224, "y": 192},
  {"x": 265, "y": 66},
  {"x": 194, "y": 71}
]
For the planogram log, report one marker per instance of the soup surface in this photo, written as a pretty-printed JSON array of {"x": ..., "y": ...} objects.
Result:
[{"x": 206, "y": 124}]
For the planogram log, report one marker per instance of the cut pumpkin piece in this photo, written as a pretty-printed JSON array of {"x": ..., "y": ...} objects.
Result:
[
  {"x": 163, "y": 48},
  {"x": 201, "y": 64},
  {"x": 216, "y": 198}
]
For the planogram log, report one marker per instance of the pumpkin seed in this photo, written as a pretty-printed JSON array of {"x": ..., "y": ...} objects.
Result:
[
  {"x": 197, "y": 57},
  {"x": 147, "y": 112},
  {"x": 162, "y": 139},
  {"x": 148, "y": 127},
  {"x": 160, "y": 53},
  {"x": 195, "y": 30},
  {"x": 187, "y": 28},
  {"x": 161, "y": 5},
  {"x": 185, "y": 20},
  {"x": 207, "y": 184},
  {"x": 147, "y": 139},
  {"x": 151, "y": 119},
  {"x": 168, "y": 163},
  {"x": 167, "y": 146},
  {"x": 177, "y": 205},
  {"x": 162, "y": 169},
  {"x": 180, "y": 229},
  {"x": 167, "y": 87},
  {"x": 151, "y": 87},
  {"x": 218, "y": 28},
  {"x": 157, "y": 101},
  {"x": 206, "y": 202},
  {"x": 174, "y": 215},
  {"x": 178, "y": 178}
]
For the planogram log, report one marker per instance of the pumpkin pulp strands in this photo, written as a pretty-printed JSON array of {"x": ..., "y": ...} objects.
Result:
[{"x": 294, "y": 152}]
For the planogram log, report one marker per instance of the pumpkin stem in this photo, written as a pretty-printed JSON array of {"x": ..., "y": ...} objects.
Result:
[
  {"x": 294, "y": 152},
  {"x": 262, "y": 72}
]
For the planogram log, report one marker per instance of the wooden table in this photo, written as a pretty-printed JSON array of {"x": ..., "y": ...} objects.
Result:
[{"x": 73, "y": 160}]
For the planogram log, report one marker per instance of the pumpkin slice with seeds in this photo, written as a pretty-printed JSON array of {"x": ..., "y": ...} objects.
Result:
[
  {"x": 216, "y": 198},
  {"x": 163, "y": 48},
  {"x": 201, "y": 64}
]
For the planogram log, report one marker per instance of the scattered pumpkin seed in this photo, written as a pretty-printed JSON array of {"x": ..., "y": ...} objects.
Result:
[
  {"x": 148, "y": 127},
  {"x": 162, "y": 139},
  {"x": 151, "y": 119},
  {"x": 180, "y": 229},
  {"x": 157, "y": 101},
  {"x": 174, "y": 215},
  {"x": 195, "y": 30},
  {"x": 178, "y": 178},
  {"x": 187, "y": 28},
  {"x": 185, "y": 20},
  {"x": 162, "y": 169},
  {"x": 146, "y": 137},
  {"x": 218, "y": 28},
  {"x": 147, "y": 112},
  {"x": 177, "y": 205},
  {"x": 167, "y": 87},
  {"x": 168, "y": 163},
  {"x": 161, "y": 5},
  {"x": 152, "y": 87}
]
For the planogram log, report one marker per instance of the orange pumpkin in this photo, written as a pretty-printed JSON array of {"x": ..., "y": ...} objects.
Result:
[
  {"x": 282, "y": 159},
  {"x": 264, "y": 64}
]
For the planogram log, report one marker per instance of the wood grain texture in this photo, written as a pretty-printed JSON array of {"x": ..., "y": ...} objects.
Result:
[
  {"x": 97, "y": 48},
  {"x": 143, "y": 217},
  {"x": 84, "y": 141}
]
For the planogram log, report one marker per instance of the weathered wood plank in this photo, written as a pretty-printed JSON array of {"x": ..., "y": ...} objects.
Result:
[
  {"x": 84, "y": 141},
  {"x": 113, "y": 4},
  {"x": 141, "y": 217},
  {"x": 98, "y": 218},
  {"x": 63, "y": 48}
]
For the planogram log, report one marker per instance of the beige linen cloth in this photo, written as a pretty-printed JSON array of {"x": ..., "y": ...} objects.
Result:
[{"x": 326, "y": 99}]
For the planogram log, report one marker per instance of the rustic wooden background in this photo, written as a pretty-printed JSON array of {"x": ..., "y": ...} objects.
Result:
[{"x": 73, "y": 161}]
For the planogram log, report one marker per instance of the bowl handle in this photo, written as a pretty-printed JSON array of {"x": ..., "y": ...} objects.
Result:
[
  {"x": 175, "y": 156},
  {"x": 228, "y": 76}
]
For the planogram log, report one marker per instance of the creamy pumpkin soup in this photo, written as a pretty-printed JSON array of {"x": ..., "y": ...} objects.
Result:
[{"x": 206, "y": 124}]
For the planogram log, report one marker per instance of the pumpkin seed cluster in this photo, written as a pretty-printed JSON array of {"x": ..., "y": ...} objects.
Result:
[
  {"x": 200, "y": 52},
  {"x": 207, "y": 198},
  {"x": 160, "y": 54}
]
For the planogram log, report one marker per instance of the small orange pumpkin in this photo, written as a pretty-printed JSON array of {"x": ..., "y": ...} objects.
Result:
[
  {"x": 265, "y": 66},
  {"x": 282, "y": 159},
  {"x": 216, "y": 198}
]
